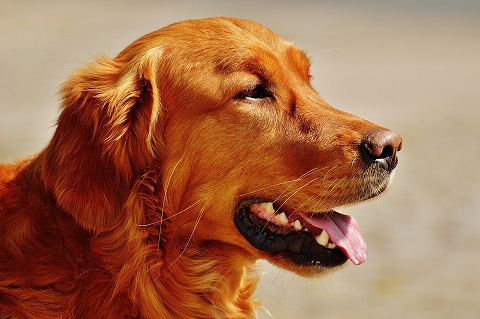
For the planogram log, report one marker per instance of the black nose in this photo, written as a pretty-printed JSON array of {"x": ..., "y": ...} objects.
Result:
[{"x": 381, "y": 146}]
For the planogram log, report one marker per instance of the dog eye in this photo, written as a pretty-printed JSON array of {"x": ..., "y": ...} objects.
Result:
[{"x": 257, "y": 93}]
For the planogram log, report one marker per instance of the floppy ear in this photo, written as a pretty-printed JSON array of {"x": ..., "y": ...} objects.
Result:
[{"x": 105, "y": 136}]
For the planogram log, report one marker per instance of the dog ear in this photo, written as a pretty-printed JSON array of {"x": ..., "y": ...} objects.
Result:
[{"x": 105, "y": 136}]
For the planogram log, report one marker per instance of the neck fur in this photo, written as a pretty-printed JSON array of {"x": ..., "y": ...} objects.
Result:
[{"x": 167, "y": 277}]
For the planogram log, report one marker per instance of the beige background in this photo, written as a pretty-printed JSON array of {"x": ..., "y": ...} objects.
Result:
[{"x": 413, "y": 66}]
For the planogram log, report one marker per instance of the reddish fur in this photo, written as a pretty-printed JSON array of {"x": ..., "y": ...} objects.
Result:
[{"x": 154, "y": 132}]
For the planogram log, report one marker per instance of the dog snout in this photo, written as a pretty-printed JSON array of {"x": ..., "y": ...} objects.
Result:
[{"x": 381, "y": 146}]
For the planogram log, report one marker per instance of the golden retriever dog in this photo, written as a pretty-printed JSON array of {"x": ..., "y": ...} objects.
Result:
[{"x": 201, "y": 148}]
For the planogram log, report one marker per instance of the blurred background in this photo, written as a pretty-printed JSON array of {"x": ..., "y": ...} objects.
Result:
[{"x": 413, "y": 66}]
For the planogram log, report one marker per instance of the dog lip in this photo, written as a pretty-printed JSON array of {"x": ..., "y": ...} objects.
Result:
[{"x": 299, "y": 247}]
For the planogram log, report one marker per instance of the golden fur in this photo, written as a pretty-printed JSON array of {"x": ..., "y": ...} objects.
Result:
[{"x": 127, "y": 213}]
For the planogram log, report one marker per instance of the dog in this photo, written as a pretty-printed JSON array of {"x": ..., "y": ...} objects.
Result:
[{"x": 201, "y": 148}]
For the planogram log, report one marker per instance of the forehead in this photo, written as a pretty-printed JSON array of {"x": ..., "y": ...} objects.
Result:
[
  {"x": 212, "y": 56},
  {"x": 261, "y": 60},
  {"x": 229, "y": 44}
]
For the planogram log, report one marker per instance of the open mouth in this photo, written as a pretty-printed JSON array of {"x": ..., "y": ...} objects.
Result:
[{"x": 326, "y": 239}]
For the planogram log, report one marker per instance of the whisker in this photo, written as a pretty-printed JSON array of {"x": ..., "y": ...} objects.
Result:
[
  {"x": 183, "y": 210},
  {"x": 296, "y": 180},
  {"x": 280, "y": 276},
  {"x": 298, "y": 189},
  {"x": 288, "y": 286},
  {"x": 162, "y": 213},
  {"x": 168, "y": 184},
  {"x": 335, "y": 182},
  {"x": 302, "y": 204},
  {"x": 191, "y": 236},
  {"x": 331, "y": 168},
  {"x": 282, "y": 183},
  {"x": 277, "y": 276},
  {"x": 329, "y": 189},
  {"x": 292, "y": 182},
  {"x": 314, "y": 55},
  {"x": 293, "y": 193},
  {"x": 266, "y": 187},
  {"x": 317, "y": 209},
  {"x": 167, "y": 218}
]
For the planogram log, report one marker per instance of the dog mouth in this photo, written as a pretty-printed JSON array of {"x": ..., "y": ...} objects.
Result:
[{"x": 325, "y": 239}]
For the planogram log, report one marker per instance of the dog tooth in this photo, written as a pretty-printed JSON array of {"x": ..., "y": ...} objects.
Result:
[
  {"x": 282, "y": 218},
  {"x": 323, "y": 238},
  {"x": 267, "y": 206},
  {"x": 297, "y": 225},
  {"x": 331, "y": 246}
]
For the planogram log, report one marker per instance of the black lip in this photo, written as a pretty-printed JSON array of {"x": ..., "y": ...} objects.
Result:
[{"x": 300, "y": 247}]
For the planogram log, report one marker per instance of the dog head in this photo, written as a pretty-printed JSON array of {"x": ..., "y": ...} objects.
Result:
[{"x": 250, "y": 158}]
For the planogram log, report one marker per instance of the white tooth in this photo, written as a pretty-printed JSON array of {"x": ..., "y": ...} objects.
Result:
[
  {"x": 323, "y": 238},
  {"x": 268, "y": 207},
  {"x": 282, "y": 218},
  {"x": 297, "y": 225},
  {"x": 331, "y": 246}
]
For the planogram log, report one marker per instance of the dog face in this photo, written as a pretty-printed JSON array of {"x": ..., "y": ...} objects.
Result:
[{"x": 252, "y": 160}]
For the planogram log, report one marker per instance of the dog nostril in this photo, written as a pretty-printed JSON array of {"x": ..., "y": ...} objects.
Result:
[{"x": 382, "y": 146}]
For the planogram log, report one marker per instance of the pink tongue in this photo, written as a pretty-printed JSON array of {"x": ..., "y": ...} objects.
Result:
[{"x": 344, "y": 232}]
